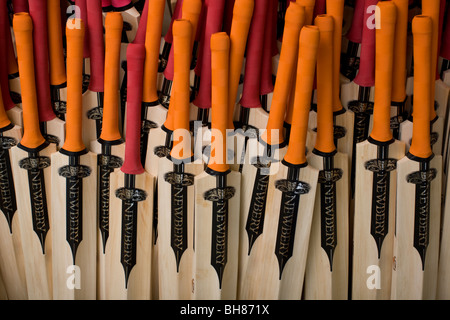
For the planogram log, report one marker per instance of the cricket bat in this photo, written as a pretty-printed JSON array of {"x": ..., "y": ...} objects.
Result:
[
  {"x": 92, "y": 103},
  {"x": 326, "y": 274},
  {"x": 129, "y": 250},
  {"x": 200, "y": 110},
  {"x": 176, "y": 182},
  {"x": 109, "y": 147},
  {"x": 279, "y": 255},
  {"x": 57, "y": 67},
  {"x": 11, "y": 253},
  {"x": 74, "y": 190},
  {"x": 31, "y": 169},
  {"x": 439, "y": 91},
  {"x": 419, "y": 173},
  {"x": 131, "y": 18},
  {"x": 239, "y": 30},
  {"x": 271, "y": 147},
  {"x": 352, "y": 40},
  {"x": 52, "y": 127},
  {"x": 217, "y": 195},
  {"x": 80, "y": 11},
  {"x": 376, "y": 167},
  {"x": 13, "y": 108},
  {"x": 251, "y": 116}
]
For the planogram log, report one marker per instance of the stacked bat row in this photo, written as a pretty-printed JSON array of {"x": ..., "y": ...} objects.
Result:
[{"x": 237, "y": 157}]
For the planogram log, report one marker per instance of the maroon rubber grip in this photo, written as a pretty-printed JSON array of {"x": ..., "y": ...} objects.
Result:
[
  {"x": 199, "y": 37},
  {"x": 355, "y": 32},
  {"x": 142, "y": 27},
  {"x": 120, "y": 3},
  {"x": 266, "y": 85},
  {"x": 320, "y": 7},
  {"x": 228, "y": 16},
  {"x": 96, "y": 45},
  {"x": 135, "y": 76},
  {"x": 20, "y": 6},
  {"x": 366, "y": 73},
  {"x": 4, "y": 81},
  {"x": 440, "y": 30},
  {"x": 82, "y": 5},
  {"x": 213, "y": 23},
  {"x": 445, "y": 44},
  {"x": 175, "y": 15},
  {"x": 274, "y": 27},
  {"x": 106, "y": 3},
  {"x": 38, "y": 13},
  {"x": 255, "y": 44}
]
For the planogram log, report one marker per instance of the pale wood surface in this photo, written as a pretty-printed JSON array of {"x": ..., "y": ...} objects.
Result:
[
  {"x": 38, "y": 265},
  {"x": 3, "y": 294},
  {"x": 57, "y": 127},
  {"x": 139, "y": 282},
  {"x": 175, "y": 284},
  {"x": 365, "y": 252},
  {"x": 206, "y": 281},
  {"x": 15, "y": 115},
  {"x": 86, "y": 256},
  {"x": 322, "y": 282},
  {"x": 410, "y": 281},
  {"x": 262, "y": 279}
]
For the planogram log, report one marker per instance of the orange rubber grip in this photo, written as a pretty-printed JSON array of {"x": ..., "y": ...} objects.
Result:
[
  {"x": 422, "y": 28},
  {"x": 23, "y": 31},
  {"x": 55, "y": 44},
  {"x": 113, "y": 39},
  {"x": 309, "y": 10},
  {"x": 399, "y": 68},
  {"x": 240, "y": 26},
  {"x": 335, "y": 8},
  {"x": 431, "y": 8},
  {"x": 384, "y": 57},
  {"x": 152, "y": 43},
  {"x": 325, "y": 88},
  {"x": 182, "y": 35},
  {"x": 220, "y": 52},
  {"x": 191, "y": 10},
  {"x": 308, "y": 46},
  {"x": 75, "y": 42},
  {"x": 294, "y": 19}
]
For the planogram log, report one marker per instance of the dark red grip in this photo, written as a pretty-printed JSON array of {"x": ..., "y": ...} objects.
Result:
[
  {"x": 38, "y": 13},
  {"x": 440, "y": 33},
  {"x": 175, "y": 15},
  {"x": 20, "y": 6},
  {"x": 320, "y": 7},
  {"x": 266, "y": 68},
  {"x": 4, "y": 81},
  {"x": 135, "y": 75},
  {"x": 213, "y": 23},
  {"x": 142, "y": 27},
  {"x": 445, "y": 44},
  {"x": 228, "y": 15},
  {"x": 355, "y": 32},
  {"x": 106, "y": 3},
  {"x": 82, "y": 5},
  {"x": 96, "y": 45},
  {"x": 252, "y": 76},
  {"x": 120, "y": 3},
  {"x": 366, "y": 72}
]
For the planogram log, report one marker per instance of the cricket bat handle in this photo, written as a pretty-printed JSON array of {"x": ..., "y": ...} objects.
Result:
[
  {"x": 55, "y": 43},
  {"x": 96, "y": 45}
]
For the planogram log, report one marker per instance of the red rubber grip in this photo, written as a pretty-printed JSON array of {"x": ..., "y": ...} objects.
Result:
[
  {"x": 106, "y": 3},
  {"x": 445, "y": 44},
  {"x": 355, "y": 32},
  {"x": 120, "y": 3},
  {"x": 135, "y": 70},
  {"x": 228, "y": 15},
  {"x": 20, "y": 6},
  {"x": 320, "y": 7},
  {"x": 4, "y": 82},
  {"x": 82, "y": 4},
  {"x": 213, "y": 23},
  {"x": 252, "y": 76},
  {"x": 266, "y": 86},
  {"x": 366, "y": 73},
  {"x": 142, "y": 27},
  {"x": 38, "y": 13},
  {"x": 96, "y": 45},
  {"x": 175, "y": 15}
]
